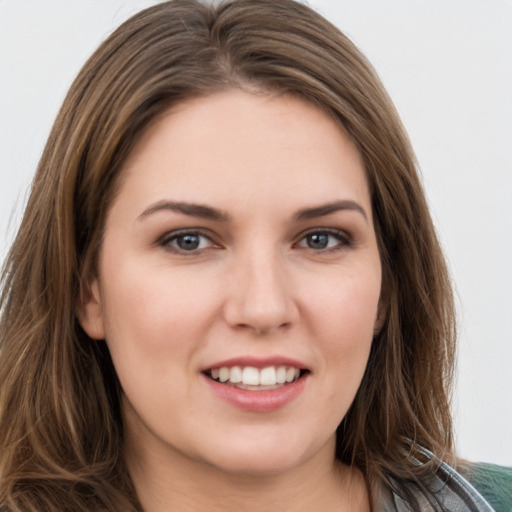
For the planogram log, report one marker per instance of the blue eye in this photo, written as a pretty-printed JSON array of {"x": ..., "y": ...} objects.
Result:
[
  {"x": 324, "y": 240},
  {"x": 187, "y": 241},
  {"x": 318, "y": 240}
]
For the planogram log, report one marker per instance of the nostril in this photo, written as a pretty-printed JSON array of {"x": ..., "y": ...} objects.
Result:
[{"x": 262, "y": 331}]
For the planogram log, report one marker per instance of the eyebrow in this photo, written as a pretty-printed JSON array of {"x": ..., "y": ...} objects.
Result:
[
  {"x": 191, "y": 209},
  {"x": 327, "y": 209},
  {"x": 209, "y": 213}
]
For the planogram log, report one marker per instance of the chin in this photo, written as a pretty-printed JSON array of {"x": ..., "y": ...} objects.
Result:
[
  {"x": 260, "y": 466},
  {"x": 254, "y": 457}
]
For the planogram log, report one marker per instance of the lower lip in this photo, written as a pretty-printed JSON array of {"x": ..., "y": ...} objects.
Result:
[{"x": 258, "y": 401}]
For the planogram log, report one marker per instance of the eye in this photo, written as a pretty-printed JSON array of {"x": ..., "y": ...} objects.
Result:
[
  {"x": 324, "y": 240},
  {"x": 187, "y": 241}
]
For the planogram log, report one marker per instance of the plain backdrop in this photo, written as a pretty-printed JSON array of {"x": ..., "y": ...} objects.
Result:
[{"x": 447, "y": 66}]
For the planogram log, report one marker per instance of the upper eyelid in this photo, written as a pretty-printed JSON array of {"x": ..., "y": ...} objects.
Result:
[
  {"x": 331, "y": 231},
  {"x": 343, "y": 241},
  {"x": 170, "y": 235},
  {"x": 185, "y": 231}
]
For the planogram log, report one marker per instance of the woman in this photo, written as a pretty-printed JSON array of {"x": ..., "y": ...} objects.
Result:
[{"x": 226, "y": 291}]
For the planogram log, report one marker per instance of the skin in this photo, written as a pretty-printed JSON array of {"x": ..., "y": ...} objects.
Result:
[{"x": 256, "y": 285}]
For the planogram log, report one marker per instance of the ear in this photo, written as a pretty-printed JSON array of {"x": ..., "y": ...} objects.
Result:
[{"x": 90, "y": 313}]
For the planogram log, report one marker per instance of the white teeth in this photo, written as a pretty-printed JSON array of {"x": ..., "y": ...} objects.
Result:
[
  {"x": 223, "y": 374},
  {"x": 290, "y": 374},
  {"x": 251, "y": 376},
  {"x": 235, "y": 375},
  {"x": 268, "y": 376},
  {"x": 281, "y": 375}
]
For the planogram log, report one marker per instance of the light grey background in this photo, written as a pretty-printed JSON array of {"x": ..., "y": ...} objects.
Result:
[{"x": 448, "y": 67}]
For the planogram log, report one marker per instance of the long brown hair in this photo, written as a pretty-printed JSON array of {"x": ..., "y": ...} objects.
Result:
[{"x": 60, "y": 425}]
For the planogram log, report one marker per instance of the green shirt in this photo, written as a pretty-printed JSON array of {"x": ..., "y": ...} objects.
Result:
[
  {"x": 472, "y": 488},
  {"x": 494, "y": 483}
]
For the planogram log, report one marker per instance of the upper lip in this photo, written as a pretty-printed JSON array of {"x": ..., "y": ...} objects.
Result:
[{"x": 258, "y": 362}]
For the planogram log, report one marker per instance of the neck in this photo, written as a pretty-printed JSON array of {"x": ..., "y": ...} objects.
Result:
[{"x": 165, "y": 481}]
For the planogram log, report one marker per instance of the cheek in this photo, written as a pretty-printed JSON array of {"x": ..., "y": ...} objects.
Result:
[
  {"x": 343, "y": 315},
  {"x": 154, "y": 312},
  {"x": 347, "y": 307},
  {"x": 153, "y": 330}
]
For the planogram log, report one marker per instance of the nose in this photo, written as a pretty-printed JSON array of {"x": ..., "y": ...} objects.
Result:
[{"x": 260, "y": 298}]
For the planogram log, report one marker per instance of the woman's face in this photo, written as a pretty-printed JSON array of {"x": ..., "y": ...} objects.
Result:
[{"x": 238, "y": 284}]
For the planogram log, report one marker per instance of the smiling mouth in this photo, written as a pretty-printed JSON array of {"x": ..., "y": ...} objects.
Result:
[{"x": 255, "y": 379}]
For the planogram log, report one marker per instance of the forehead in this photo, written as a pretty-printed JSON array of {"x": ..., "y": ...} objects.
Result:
[{"x": 236, "y": 146}]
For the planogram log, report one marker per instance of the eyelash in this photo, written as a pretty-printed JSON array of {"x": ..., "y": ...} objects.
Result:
[
  {"x": 343, "y": 241},
  {"x": 174, "y": 236}
]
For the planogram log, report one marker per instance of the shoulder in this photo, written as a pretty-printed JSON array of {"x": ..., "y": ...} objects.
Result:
[
  {"x": 493, "y": 482},
  {"x": 470, "y": 487}
]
